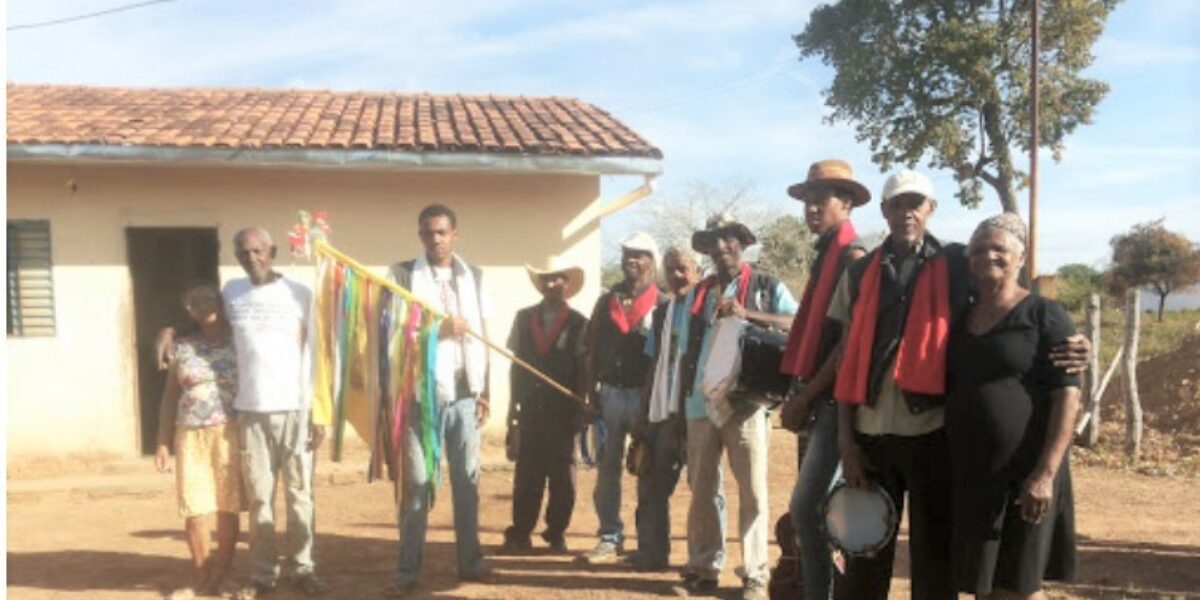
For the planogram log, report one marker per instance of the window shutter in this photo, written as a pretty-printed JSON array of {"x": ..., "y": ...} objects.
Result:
[{"x": 30, "y": 283}]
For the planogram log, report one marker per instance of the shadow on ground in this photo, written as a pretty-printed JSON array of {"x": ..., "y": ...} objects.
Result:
[{"x": 1147, "y": 570}]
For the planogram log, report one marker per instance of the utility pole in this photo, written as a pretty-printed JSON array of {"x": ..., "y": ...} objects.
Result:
[{"x": 1033, "y": 147}]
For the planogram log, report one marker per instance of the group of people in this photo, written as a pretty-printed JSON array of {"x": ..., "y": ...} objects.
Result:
[{"x": 922, "y": 367}]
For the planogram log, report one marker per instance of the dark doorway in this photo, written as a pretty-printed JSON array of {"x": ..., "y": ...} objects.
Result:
[{"x": 161, "y": 262}]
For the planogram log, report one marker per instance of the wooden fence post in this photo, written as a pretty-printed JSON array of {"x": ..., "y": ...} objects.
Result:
[
  {"x": 1091, "y": 398},
  {"x": 1133, "y": 407}
]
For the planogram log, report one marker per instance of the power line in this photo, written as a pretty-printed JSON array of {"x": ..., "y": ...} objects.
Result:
[
  {"x": 707, "y": 91},
  {"x": 100, "y": 13}
]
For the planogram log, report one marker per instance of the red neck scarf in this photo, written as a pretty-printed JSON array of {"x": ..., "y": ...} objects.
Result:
[
  {"x": 743, "y": 289},
  {"x": 540, "y": 338},
  {"x": 626, "y": 319},
  {"x": 921, "y": 359},
  {"x": 800, "y": 357}
]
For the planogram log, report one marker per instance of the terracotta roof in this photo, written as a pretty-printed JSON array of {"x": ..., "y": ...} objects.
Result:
[{"x": 313, "y": 119}]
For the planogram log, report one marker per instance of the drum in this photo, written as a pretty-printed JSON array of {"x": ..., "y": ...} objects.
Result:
[
  {"x": 743, "y": 363},
  {"x": 859, "y": 522},
  {"x": 762, "y": 356}
]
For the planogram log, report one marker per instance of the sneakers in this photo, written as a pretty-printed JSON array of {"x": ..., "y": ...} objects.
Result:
[
  {"x": 754, "y": 589},
  {"x": 605, "y": 553},
  {"x": 695, "y": 585}
]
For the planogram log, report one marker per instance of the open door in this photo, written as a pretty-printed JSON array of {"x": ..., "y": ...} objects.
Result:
[{"x": 162, "y": 261}]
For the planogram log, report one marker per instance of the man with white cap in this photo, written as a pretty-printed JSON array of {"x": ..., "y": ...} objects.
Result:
[
  {"x": 896, "y": 305},
  {"x": 616, "y": 368},
  {"x": 542, "y": 421}
]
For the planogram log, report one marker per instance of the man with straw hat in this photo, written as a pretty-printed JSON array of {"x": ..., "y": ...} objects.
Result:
[
  {"x": 719, "y": 425},
  {"x": 616, "y": 369},
  {"x": 829, "y": 193},
  {"x": 542, "y": 421}
]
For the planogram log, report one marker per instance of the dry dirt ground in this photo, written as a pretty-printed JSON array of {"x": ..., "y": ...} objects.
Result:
[{"x": 118, "y": 536}]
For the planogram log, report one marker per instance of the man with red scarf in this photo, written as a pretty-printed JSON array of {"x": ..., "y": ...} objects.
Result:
[
  {"x": 737, "y": 426},
  {"x": 898, "y": 304},
  {"x": 616, "y": 368},
  {"x": 829, "y": 193},
  {"x": 542, "y": 421}
]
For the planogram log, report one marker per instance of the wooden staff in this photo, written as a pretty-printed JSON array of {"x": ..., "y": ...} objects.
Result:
[{"x": 323, "y": 247}]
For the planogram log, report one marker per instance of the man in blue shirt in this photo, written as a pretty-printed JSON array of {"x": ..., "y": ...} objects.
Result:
[{"x": 716, "y": 425}]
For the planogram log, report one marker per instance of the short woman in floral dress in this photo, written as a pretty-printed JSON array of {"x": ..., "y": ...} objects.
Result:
[{"x": 196, "y": 417}]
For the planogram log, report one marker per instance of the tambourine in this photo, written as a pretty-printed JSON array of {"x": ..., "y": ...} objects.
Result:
[
  {"x": 591, "y": 443},
  {"x": 859, "y": 522}
]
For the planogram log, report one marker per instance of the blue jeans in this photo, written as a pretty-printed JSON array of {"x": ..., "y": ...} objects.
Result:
[
  {"x": 816, "y": 474},
  {"x": 664, "y": 443},
  {"x": 618, "y": 407},
  {"x": 460, "y": 439}
]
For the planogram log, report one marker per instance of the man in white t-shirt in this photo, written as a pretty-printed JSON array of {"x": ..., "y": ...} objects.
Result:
[
  {"x": 270, "y": 317},
  {"x": 450, "y": 284}
]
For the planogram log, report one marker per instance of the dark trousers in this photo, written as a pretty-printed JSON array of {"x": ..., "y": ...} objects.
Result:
[
  {"x": 544, "y": 459},
  {"x": 919, "y": 465}
]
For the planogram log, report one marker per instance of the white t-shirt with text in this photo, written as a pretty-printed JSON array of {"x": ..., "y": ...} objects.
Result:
[{"x": 270, "y": 324}]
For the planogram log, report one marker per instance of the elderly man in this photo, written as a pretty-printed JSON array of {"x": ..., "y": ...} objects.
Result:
[
  {"x": 716, "y": 425},
  {"x": 660, "y": 425},
  {"x": 542, "y": 421},
  {"x": 897, "y": 306},
  {"x": 269, "y": 313},
  {"x": 453, "y": 286},
  {"x": 829, "y": 193},
  {"x": 890, "y": 413},
  {"x": 277, "y": 430},
  {"x": 616, "y": 369}
]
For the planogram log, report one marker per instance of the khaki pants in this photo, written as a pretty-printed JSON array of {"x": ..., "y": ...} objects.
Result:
[
  {"x": 272, "y": 443},
  {"x": 744, "y": 436}
]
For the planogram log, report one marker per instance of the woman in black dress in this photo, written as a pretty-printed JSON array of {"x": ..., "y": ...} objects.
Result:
[{"x": 1009, "y": 418}]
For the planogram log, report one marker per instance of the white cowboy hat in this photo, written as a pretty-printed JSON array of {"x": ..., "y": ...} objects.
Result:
[{"x": 573, "y": 274}]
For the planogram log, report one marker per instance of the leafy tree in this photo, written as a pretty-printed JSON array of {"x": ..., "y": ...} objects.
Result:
[
  {"x": 1151, "y": 256},
  {"x": 1076, "y": 282},
  {"x": 950, "y": 78},
  {"x": 786, "y": 251}
]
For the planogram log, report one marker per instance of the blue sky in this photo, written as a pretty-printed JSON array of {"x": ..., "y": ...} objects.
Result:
[{"x": 717, "y": 85}]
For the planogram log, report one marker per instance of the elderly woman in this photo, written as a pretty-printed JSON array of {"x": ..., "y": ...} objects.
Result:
[
  {"x": 196, "y": 416},
  {"x": 1009, "y": 418}
]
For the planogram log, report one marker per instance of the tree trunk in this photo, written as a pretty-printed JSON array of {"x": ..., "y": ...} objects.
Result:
[
  {"x": 998, "y": 146},
  {"x": 1133, "y": 409},
  {"x": 1091, "y": 435},
  {"x": 1162, "y": 303}
]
